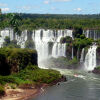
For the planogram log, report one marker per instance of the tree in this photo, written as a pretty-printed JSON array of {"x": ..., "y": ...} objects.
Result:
[
  {"x": 77, "y": 32},
  {"x": 7, "y": 41},
  {"x": 15, "y": 22},
  {"x": 29, "y": 44},
  {"x": 10, "y": 44}
]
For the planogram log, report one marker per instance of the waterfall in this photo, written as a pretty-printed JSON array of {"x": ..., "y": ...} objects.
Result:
[
  {"x": 94, "y": 34},
  {"x": 9, "y": 32},
  {"x": 4, "y": 33},
  {"x": 21, "y": 39},
  {"x": 82, "y": 56},
  {"x": 47, "y": 42},
  {"x": 72, "y": 52},
  {"x": 59, "y": 50},
  {"x": 90, "y": 59}
]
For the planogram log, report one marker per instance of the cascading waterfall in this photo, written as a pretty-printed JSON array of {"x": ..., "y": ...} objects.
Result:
[
  {"x": 47, "y": 43},
  {"x": 59, "y": 50},
  {"x": 82, "y": 56},
  {"x": 90, "y": 59},
  {"x": 94, "y": 34},
  {"x": 21, "y": 39},
  {"x": 72, "y": 52},
  {"x": 4, "y": 33}
]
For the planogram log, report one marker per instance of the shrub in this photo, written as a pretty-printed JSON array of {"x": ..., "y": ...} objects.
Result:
[
  {"x": 66, "y": 39},
  {"x": 30, "y": 75},
  {"x": 29, "y": 44},
  {"x": 10, "y": 44},
  {"x": 15, "y": 59},
  {"x": 63, "y": 40},
  {"x": 4, "y": 66},
  {"x": 2, "y": 91}
]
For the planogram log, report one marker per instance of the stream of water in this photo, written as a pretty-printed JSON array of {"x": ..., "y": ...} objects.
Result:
[{"x": 81, "y": 85}]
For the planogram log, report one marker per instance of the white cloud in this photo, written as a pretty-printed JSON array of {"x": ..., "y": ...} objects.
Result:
[
  {"x": 78, "y": 9},
  {"x": 46, "y": 2},
  {"x": 3, "y": 4},
  {"x": 5, "y": 9}
]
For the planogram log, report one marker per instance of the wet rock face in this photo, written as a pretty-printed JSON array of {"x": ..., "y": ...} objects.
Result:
[
  {"x": 98, "y": 56},
  {"x": 69, "y": 52},
  {"x": 96, "y": 71},
  {"x": 13, "y": 60}
]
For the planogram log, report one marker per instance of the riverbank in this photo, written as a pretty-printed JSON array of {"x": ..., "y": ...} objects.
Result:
[
  {"x": 23, "y": 93},
  {"x": 96, "y": 70},
  {"x": 26, "y": 92}
]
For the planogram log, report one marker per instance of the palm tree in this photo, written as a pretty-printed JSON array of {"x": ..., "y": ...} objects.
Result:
[{"x": 15, "y": 22}]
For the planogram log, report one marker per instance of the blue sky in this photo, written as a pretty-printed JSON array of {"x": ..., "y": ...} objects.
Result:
[{"x": 51, "y": 6}]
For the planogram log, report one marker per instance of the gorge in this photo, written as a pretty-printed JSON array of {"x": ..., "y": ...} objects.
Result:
[
  {"x": 48, "y": 44},
  {"x": 53, "y": 53}
]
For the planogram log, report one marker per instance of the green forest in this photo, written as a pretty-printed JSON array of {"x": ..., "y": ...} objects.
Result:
[
  {"x": 51, "y": 21},
  {"x": 21, "y": 64}
]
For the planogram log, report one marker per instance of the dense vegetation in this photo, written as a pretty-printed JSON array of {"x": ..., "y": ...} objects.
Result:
[
  {"x": 28, "y": 76},
  {"x": 46, "y": 21},
  {"x": 31, "y": 74},
  {"x": 9, "y": 43},
  {"x": 15, "y": 59},
  {"x": 19, "y": 67}
]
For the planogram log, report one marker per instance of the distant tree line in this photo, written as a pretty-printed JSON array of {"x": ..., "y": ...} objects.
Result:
[{"x": 49, "y": 21}]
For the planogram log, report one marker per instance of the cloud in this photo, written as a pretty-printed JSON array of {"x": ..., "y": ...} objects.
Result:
[
  {"x": 5, "y": 9},
  {"x": 78, "y": 9},
  {"x": 3, "y": 4},
  {"x": 46, "y": 2}
]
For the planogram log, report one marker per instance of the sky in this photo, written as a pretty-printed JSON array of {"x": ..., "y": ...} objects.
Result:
[{"x": 51, "y": 6}]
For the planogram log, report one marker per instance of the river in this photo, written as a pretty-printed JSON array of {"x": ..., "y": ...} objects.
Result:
[{"x": 81, "y": 85}]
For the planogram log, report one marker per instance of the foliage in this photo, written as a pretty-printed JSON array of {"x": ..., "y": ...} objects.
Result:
[
  {"x": 4, "y": 67},
  {"x": 77, "y": 32},
  {"x": 40, "y": 75},
  {"x": 29, "y": 44},
  {"x": 98, "y": 68},
  {"x": 14, "y": 22},
  {"x": 50, "y": 21},
  {"x": 2, "y": 90},
  {"x": 7, "y": 39},
  {"x": 66, "y": 39},
  {"x": 15, "y": 59},
  {"x": 73, "y": 61},
  {"x": 30, "y": 75},
  {"x": 82, "y": 42},
  {"x": 10, "y": 44},
  {"x": 63, "y": 40}
]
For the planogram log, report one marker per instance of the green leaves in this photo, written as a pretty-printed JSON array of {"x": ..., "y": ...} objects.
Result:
[{"x": 81, "y": 43}]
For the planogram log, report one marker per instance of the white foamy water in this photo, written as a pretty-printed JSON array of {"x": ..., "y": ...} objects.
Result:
[
  {"x": 47, "y": 43},
  {"x": 82, "y": 56},
  {"x": 94, "y": 34},
  {"x": 90, "y": 59}
]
